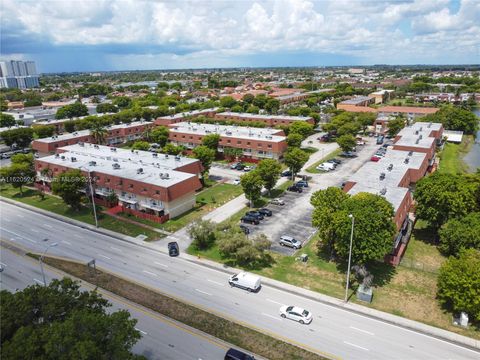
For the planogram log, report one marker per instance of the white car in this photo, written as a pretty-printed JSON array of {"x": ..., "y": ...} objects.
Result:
[
  {"x": 236, "y": 182},
  {"x": 296, "y": 313},
  {"x": 277, "y": 202},
  {"x": 326, "y": 167}
]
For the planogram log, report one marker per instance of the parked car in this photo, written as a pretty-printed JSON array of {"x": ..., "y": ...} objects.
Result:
[
  {"x": 265, "y": 212},
  {"x": 380, "y": 139},
  {"x": 246, "y": 281},
  {"x": 236, "y": 182},
  {"x": 250, "y": 220},
  {"x": 296, "y": 313},
  {"x": 335, "y": 161},
  {"x": 325, "y": 138},
  {"x": 245, "y": 229},
  {"x": 375, "y": 158},
  {"x": 234, "y": 165},
  {"x": 173, "y": 249},
  {"x": 302, "y": 183},
  {"x": 247, "y": 168},
  {"x": 295, "y": 188},
  {"x": 286, "y": 173},
  {"x": 348, "y": 154},
  {"x": 326, "y": 166},
  {"x": 289, "y": 241},
  {"x": 234, "y": 354},
  {"x": 360, "y": 142},
  {"x": 277, "y": 202},
  {"x": 254, "y": 214},
  {"x": 240, "y": 167}
]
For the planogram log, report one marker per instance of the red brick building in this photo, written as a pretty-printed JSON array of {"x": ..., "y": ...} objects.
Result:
[
  {"x": 185, "y": 116},
  {"x": 270, "y": 120}
]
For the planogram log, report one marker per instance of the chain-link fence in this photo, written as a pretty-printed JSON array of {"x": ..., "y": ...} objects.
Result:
[{"x": 412, "y": 264}]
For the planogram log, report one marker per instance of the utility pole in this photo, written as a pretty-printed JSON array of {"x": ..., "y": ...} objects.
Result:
[{"x": 349, "y": 258}]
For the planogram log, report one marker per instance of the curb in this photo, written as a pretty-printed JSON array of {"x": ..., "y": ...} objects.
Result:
[{"x": 374, "y": 314}]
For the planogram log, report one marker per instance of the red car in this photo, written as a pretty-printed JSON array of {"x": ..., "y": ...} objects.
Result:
[{"x": 375, "y": 158}]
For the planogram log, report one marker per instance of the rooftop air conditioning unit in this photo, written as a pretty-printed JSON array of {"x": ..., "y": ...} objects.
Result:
[
  {"x": 96, "y": 146},
  {"x": 406, "y": 161},
  {"x": 420, "y": 137},
  {"x": 116, "y": 166},
  {"x": 417, "y": 141},
  {"x": 429, "y": 125},
  {"x": 92, "y": 163},
  {"x": 81, "y": 143},
  {"x": 154, "y": 154},
  {"x": 73, "y": 159},
  {"x": 139, "y": 171},
  {"x": 421, "y": 128},
  {"x": 113, "y": 149},
  {"x": 416, "y": 132},
  {"x": 410, "y": 153},
  {"x": 178, "y": 158},
  {"x": 62, "y": 157},
  {"x": 166, "y": 156},
  {"x": 382, "y": 176},
  {"x": 383, "y": 191},
  {"x": 57, "y": 156},
  {"x": 390, "y": 167}
]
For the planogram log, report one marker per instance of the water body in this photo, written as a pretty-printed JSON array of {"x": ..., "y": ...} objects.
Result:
[{"x": 472, "y": 159}]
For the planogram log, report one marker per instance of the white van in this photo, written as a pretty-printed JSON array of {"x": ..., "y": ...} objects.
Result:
[
  {"x": 245, "y": 281},
  {"x": 326, "y": 167}
]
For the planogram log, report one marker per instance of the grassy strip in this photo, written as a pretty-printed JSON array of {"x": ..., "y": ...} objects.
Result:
[
  {"x": 242, "y": 336},
  {"x": 451, "y": 157},
  {"x": 312, "y": 169},
  {"x": 57, "y": 206}
]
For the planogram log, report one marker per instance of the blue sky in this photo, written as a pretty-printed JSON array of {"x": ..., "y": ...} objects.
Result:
[{"x": 100, "y": 35}]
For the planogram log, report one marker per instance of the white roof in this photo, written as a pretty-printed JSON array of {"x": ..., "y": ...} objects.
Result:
[
  {"x": 189, "y": 113},
  {"x": 453, "y": 136},
  {"x": 11, "y": 128},
  {"x": 266, "y": 117},
  {"x": 228, "y": 131}
]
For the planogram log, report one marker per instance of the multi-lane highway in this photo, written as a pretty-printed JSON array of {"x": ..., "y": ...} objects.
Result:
[
  {"x": 162, "y": 338},
  {"x": 334, "y": 331}
]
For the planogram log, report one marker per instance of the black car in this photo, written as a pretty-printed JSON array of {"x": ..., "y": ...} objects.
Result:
[
  {"x": 173, "y": 249},
  {"x": 245, "y": 229},
  {"x": 335, "y": 161},
  {"x": 240, "y": 167},
  {"x": 295, "y": 188},
  {"x": 234, "y": 354},
  {"x": 255, "y": 214},
  {"x": 250, "y": 220},
  {"x": 287, "y": 173},
  {"x": 302, "y": 183},
  {"x": 348, "y": 154},
  {"x": 265, "y": 212}
]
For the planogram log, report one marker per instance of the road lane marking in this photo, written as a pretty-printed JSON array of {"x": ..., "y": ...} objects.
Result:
[
  {"x": 49, "y": 226},
  {"x": 161, "y": 264},
  {"x": 20, "y": 216},
  {"x": 35, "y": 231},
  {"x": 273, "y": 317},
  {"x": 275, "y": 302},
  {"x": 215, "y": 282},
  {"x": 203, "y": 292},
  {"x": 143, "y": 332},
  {"x": 66, "y": 242},
  {"x": 149, "y": 273},
  {"x": 114, "y": 248},
  {"x": 20, "y": 236},
  {"x": 357, "y": 346},
  {"x": 6, "y": 220},
  {"x": 78, "y": 236},
  {"x": 38, "y": 281},
  {"x": 364, "y": 331},
  {"x": 106, "y": 257},
  {"x": 3, "y": 264}
]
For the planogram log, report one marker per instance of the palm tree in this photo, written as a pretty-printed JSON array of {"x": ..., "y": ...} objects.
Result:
[{"x": 99, "y": 133}]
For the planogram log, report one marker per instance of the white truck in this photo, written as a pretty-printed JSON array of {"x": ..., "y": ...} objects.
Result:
[{"x": 245, "y": 281}]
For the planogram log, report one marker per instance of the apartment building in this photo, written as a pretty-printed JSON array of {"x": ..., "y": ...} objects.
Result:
[
  {"x": 269, "y": 120},
  {"x": 148, "y": 185},
  {"x": 18, "y": 74},
  {"x": 116, "y": 134},
  {"x": 185, "y": 116},
  {"x": 382, "y": 96},
  {"x": 255, "y": 143}
]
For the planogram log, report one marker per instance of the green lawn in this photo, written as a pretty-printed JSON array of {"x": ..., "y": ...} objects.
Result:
[
  {"x": 56, "y": 205},
  {"x": 452, "y": 154},
  {"x": 312, "y": 169},
  {"x": 310, "y": 150}
]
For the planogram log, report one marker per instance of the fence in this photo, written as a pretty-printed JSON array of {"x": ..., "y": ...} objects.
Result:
[{"x": 412, "y": 264}]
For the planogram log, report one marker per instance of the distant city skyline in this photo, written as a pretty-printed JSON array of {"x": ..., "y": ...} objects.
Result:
[{"x": 63, "y": 36}]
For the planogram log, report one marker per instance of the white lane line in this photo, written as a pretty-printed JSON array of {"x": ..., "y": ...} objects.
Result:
[
  {"x": 20, "y": 216},
  {"x": 273, "y": 317},
  {"x": 3, "y": 264},
  {"x": 106, "y": 257},
  {"x": 143, "y": 332},
  {"x": 66, "y": 242},
  {"x": 203, "y": 292},
  {"x": 357, "y": 346},
  {"x": 32, "y": 241},
  {"x": 38, "y": 281},
  {"x": 20, "y": 236},
  {"x": 215, "y": 282},
  {"x": 34, "y": 231},
  {"x": 275, "y": 302},
  {"x": 149, "y": 273},
  {"x": 78, "y": 236},
  {"x": 364, "y": 331},
  {"x": 49, "y": 226},
  {"x": 114, "y": 248},
  {"x": 161, "y": 264}
]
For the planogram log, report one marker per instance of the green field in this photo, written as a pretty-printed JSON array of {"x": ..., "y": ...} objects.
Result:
[
  {"x": 452, "y": 154},
  {"x": 312, "y": 169}
]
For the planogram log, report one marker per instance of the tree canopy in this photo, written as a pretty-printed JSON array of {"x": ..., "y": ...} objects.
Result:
[
  {"x": 211, "y": 141},
  {"x": 70, "y": 111},
  {"x": 252, "y": 184},
  {"x": 22, "y": 137},
  {"x": 66, "y": 324},
  {"x": 43, "y": 131},
  {"x": 269, "y": 170},
  {"x": 346, "y": 142},
  {"x": 159, "y": 135},
  {"x": 6, "y": 120},
  {"x": 68, "y": 185},
  {"x": 294, "y": 140},
  {"x": 141, "y": 145},
  {"x": 106, "y": 108},
  {"x": 395, "y": 125},
  {"x": 206, "y": 157},
  {"x": 459, "y": 234},
  {"x": 455, "y": 118},
  {"x": 202, "y": 233},
  {"x": 295, "y": 159}
]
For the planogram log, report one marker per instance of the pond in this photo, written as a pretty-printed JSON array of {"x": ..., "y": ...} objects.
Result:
[{"x": 472, "y": 158}]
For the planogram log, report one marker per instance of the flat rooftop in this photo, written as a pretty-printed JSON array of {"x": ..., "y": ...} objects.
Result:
[
  {"x": 356, "y": 100},
  {"x": 151, "y": 174},
  {"x": 56, "y": 121},
  {"x": 138, "y": 156},
  {"x": 228, "y": 131},
  {"x": 266, "y": 117},
  {"x": 408, "y": 109},
  {"x": 394, "y": 195},
  {"x": 188, "y": 113}
]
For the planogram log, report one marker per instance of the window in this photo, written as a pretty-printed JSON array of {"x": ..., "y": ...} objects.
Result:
[
  {"x": 107, "y": 180},
  {"x": 130, "y": 186},
  {"x": 228, "y": 141},
  {"x": 248, "y": 142},
  {"x": 157, "y": 192},
  {"x": 269, "y": 146},
  {"x": 239, "y": 142}
]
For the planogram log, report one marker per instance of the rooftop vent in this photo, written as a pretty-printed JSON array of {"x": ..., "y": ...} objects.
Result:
[
  {"x": 383, "y": 191},
  {"x": 57, "y": 156},
  {"x": 382, "y": 176},
  {"x": 420, "y": 137},
  {"x": 81, "y": 143},
  {"x": 166, "y": 156},
  {"x": 416, "y": 132},
  {"x": 390, "y": 167},
  {"x": 113, "y": 149},
  {"x": 178, "y": 158},
  {"x": 96, "y": 146},
  {"x": 421, "y": 128},
  {"x": 73, "y": 159},
  {"x": 92, "y": 163},
  {"x": 417, "y": 141},
  {"x": 429, "y": 124},
  {"x": 155, "y": 155},
  {"x": 116, "y": 166},
  {"x": 410, "y": 153},
  {"x": 406, "y": 161},
  {"x": 139, "y": 171},
  {"x": 62, "y": 157}
]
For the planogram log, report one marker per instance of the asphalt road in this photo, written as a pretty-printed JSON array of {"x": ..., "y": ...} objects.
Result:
[
  {"x": 334, "y": 331},
  {"x": 162, "y": 338}
]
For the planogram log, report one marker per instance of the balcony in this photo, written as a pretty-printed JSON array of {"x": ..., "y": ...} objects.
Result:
[{"x": 157, "y": 206}]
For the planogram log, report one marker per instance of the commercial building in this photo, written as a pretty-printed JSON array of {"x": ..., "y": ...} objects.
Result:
[
  {"x": 116, "y": 134},
  {"x": 148, "y": 185},
  {"x": 255, "y": 143},
  {"x": 357, "y": 104},
  {"x": 270, "y": 120},
  {"x": 406, "y": 162},
  {"x": 185, "y": 116},
  {"x": 382, "y": 96},
  {"x": 18, "y": 74}
]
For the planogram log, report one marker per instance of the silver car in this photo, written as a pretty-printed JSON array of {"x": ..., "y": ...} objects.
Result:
[{"x": 289, "y": 241}]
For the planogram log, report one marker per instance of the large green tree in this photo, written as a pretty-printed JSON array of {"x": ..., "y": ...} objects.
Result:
[
  {"x": 202, "y": 233},
  {"x": 395, "y": 125},
  {"x": 43, "y": 131},
  {"x": 6, "y": 120},
  {"x": 106, "y": 108},
  {"x": 346, "y": 142},
  {"x": 141, "y": 145},
  {"x": 458, "y": 234},
  {"x": 459, "y": 283},
  {"x": 295, "y": 158},
  {"x": 252, "y": 184},
  {"x": 206, "y": 157},
  {"x": 211, "y": 141},
  {"x": 294, "y": 140},
  {"x": 61, "y": 322},
  {"x": 73, "y": 110},
  {"x": 159, "y": 135},
  {"x": 21, "y": 137},
  {"x": 301, "y": 127},
  {"x": 455, "y": 118},
  {"x": 17, "y": 175},
  {"x": 269, "y": 170},
  {"x": 68, "y": 185},
  {"x": 441, "y": 197},
  {"x": 99, "y": 132}
]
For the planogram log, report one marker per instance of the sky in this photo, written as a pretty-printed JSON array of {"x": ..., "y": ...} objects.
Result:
[{"x": 102, "y": 35}]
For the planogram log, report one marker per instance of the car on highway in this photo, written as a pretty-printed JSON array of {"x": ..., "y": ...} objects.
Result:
[
  {"x": 173, "y": 249},
  {"x": 245, "y": 281},
  {"x": 245, "y": 229},
  {"x": 234, "y": 354},
  {"x": 250, "y": 220},
  {"x": 296, "y": 313},
  {"x": 289, "y": 241},
  {"x": 236, "y": 182},
  {"x": 277, "y": 201},
  {"x": 295, "y": 188},
  {"x": 302, "y": 183},
  {"x": 265, "y": 212}
]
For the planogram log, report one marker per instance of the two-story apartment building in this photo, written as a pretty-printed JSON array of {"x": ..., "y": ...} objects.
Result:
[
  {"x": 269, "y": 120},
  {"x": 185, "y": 116}
]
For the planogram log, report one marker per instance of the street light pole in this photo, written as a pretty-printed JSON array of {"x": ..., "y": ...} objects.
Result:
[
  {"x": 349, "y": 257},
  {"x": 92, "y": 196},
  {"x": 41, "y": 261}
]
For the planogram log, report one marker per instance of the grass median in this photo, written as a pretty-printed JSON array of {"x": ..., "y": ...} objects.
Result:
[
  {"x": 313, "y": 169},
  {"x": 229, "y": 331},
  {"x": 451, "y": 157}
]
